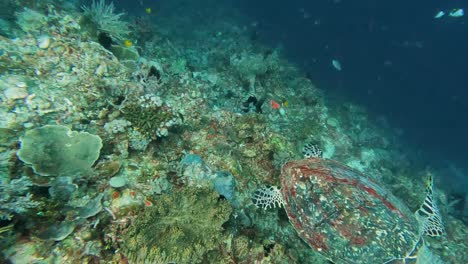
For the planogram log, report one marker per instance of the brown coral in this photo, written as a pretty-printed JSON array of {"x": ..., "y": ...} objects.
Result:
[{"x": 182, "y": 227}]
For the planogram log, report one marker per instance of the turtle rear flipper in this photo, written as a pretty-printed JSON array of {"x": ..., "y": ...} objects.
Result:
[
  {"x": 428, "y": 214},
  {"x": 420, "y": 254}
]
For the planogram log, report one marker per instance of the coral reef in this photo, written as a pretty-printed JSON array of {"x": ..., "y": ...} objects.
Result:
[
  {"x": 105, "y": 19},
  {"x": 58, "y": 151},
  {"x": 150, "y": 116},
  {"x": 193, "y": 119},
  {"x": 15, "y": 197},
  {"x": 183, "y": 227}
]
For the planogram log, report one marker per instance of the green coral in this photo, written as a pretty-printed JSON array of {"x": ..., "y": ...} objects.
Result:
[
  {"x": 182, "y": 227},
  {"x": 56, "y": 150}
]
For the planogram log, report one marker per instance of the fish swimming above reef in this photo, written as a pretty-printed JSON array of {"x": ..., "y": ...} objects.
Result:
[{"x": 337, "y": 65}]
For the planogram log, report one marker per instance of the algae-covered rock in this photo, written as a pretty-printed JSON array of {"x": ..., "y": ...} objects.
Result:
[
  {"x": 124, "y": 54},
  {"x": 58, "y": 232},
  {"x": 182, "y": 227},
  {"x": 56, "y": 150}
]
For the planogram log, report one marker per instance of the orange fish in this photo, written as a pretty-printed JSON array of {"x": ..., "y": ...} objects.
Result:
[{"x": 275, "y": 104}]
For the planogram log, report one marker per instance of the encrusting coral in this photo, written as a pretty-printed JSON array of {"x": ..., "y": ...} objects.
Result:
[{"x": 151, "y": 116}]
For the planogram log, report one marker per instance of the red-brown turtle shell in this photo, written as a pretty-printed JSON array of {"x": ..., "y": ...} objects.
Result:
[{"x": 345, "y": 215}]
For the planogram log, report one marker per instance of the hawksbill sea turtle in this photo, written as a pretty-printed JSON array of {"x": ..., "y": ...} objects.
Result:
[{"x": 349, "y": 218}]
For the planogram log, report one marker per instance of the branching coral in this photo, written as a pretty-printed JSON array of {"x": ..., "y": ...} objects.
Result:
[
  {"x": 15, "y": 197},
  {"x": 104, "y": 18}
]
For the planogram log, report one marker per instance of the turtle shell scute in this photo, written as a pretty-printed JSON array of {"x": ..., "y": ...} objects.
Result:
[{"x": 345, "y": 215}]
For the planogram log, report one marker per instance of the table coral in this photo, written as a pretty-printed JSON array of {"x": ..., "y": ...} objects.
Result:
[{"x": 56, "y": 150}]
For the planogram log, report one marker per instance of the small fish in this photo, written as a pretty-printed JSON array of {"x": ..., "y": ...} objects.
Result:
[
  {"x": 274, "y": 104},
  {"x": 285, "y": 103},
  {"x": 336, "y": 64},
  {"x": 439, "y": 14},
  {"x": 148, "y": 10},
  {"x": 457, "y": 12},
  {"x": 128, "y": 43}
]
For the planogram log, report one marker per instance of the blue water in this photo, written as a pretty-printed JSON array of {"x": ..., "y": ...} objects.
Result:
[{"x": 398, "y": 61}]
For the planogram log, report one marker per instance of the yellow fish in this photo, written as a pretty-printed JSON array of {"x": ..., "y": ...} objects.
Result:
[
  {"x": 148, "y": 10},
  {"x": 127, "y": 43},
  {"x": 285, "y": 103}
]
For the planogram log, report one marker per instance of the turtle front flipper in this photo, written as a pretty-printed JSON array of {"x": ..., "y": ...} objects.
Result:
[{"x": 428, "y": 214}]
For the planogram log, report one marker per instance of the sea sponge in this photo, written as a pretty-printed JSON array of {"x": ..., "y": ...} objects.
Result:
[
  {"x": 57, "y": 151},
  {"x": 181, "y": 227}
]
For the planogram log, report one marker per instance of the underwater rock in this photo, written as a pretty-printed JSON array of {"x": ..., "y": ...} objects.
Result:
[
  {"x": 43, "y": 41},
  {"x": 196, "y": 173},
  {"x": 31, "y": 21},
  {"x": 224, "y": 184},
  {"x": 58, "y": 232},
  {"x": 23, "y": 252},
  {"x": 14, "y": 87},
  {"x": 108, "y": 168},
  {"x": 13, "y": 93},
  {"x": 191, "y": 159},
  {"x": 56, "y": 150},
  {"x": 124, "y": 54}
]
